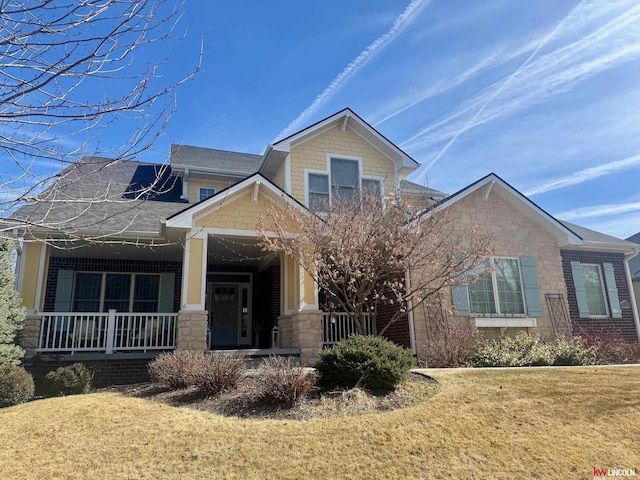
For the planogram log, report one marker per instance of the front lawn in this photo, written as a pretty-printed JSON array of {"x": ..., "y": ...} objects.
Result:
[{"x": 518, "y": 423}]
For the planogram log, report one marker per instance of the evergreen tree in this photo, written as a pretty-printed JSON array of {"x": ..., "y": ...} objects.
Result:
[{"x": 11, "y": 309}]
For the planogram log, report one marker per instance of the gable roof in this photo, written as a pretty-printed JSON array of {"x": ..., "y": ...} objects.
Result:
[
  {"x": 569, "y": 235},
  {"x": 184, "y": 218},
  {"x": 93, "y": 197},
  {"x": 417, "y": 189},
  {"x": 276, "y": 152},
  {"x": 493, "y": 183},
  {"x": 211, "y": 160}
]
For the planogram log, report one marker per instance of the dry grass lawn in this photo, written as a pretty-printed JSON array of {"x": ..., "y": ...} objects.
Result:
[{"x": 519, "y": 423}]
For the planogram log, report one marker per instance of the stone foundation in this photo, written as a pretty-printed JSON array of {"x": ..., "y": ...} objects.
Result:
[
  {"x": 302, "y": 330},
  {"x": 29, "y": 336},
  {"x": 192, "y": 330}
]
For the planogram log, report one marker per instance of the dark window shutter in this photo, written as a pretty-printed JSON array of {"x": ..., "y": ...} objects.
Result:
[
  {"x": 612, "y": 290},
  {"x": 531, "y": 288},
  {"x": 167, "y": 286},
  {"x": 64, "y": 290},
  {"x": 581, "y": 293}
]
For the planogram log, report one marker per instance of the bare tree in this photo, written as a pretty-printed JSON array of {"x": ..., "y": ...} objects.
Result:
[
  {"x": 365, "y": 252},
  {"x": 69, "y": 71}
]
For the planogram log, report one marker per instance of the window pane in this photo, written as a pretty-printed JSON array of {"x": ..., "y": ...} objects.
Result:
[
  {"x": 87, "y": 292},
  {"x": 206, "y": 193},
  {"x": 593, "y": 286},
  {"x": 318, "y": 202},
  {"x": 344, "y": 173},
  {"x": 318, "y": 192},
  {"x": 117, "y": 289},
  {"x": 507, "y": 272},
  {"x": 481, "y": 299},
  {"x": 318, "y": 183},
  {"x": 145, "y": 293},
  {"x": 371, "y": 187}
]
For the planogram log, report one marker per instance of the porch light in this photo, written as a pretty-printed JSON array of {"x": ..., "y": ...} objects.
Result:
[{"x": 625, "y": 304}]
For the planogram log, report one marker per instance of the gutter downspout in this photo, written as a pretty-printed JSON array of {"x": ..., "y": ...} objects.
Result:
[{"x": 634, "y": 305}]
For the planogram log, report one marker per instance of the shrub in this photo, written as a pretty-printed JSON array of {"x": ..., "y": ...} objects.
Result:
[
  {"x": 176, "y": 369},
  {"x": 72, "y": 380},
  {"x": 530, "y": 350},
  {"x": 611, "y": 347},
  {"x": 450, "y": 345},
  {"x": 573, "y": 351},
  {"x": 281, "y": 380},
  {"x": 374, "y": 362},
  {"x": 16, "y": 385},
  {"x": 218, "y": 373}
]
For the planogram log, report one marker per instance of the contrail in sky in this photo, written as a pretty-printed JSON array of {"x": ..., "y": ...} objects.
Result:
[
  {"x": 585, "y": 175},
  {"x": 496, "y": 93},
  {"x": 400, "y": 23}
]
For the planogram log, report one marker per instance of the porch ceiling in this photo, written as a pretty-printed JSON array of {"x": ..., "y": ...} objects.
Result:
[{"x": 237, "y": 250}]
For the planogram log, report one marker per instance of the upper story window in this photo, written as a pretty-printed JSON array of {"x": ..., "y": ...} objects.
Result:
[
  {"x": 206, "y": 192},
  {"x": 500, "y": 291},
  {"x": 342, "y": 181}
]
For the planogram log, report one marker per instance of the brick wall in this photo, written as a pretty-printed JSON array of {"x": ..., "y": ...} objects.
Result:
[
  {"x": 105, "y": 372},
  {"x": 398, "y": 332},
  {"x": 108, "y": 265},
  {"x": 624, "y": 326}
]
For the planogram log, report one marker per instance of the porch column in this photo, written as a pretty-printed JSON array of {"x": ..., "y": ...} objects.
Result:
[
  {"x": 193, "y": 318},
  {"x": 32, "y": 275}
]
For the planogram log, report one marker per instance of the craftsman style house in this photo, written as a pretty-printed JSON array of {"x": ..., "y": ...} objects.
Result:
[{"x": 167, "y": 256}]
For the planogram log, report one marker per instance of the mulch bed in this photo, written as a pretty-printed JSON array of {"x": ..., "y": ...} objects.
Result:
[{"x": 240, "y": 403}]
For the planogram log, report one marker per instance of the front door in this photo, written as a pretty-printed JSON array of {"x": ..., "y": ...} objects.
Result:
[{"x": 223, "y": 315}]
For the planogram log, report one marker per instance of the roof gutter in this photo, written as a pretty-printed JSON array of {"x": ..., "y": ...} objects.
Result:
[
  {"x": 634, "y": 305},
  {"x": 265, "y": 157}
]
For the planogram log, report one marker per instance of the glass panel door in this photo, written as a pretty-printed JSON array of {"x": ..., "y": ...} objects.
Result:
[{"x": 223, "y": 315}]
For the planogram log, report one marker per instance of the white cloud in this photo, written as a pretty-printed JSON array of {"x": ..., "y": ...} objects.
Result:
[
  {"x": 599, "y": 211},
  {"x": 401, "y": 22},
  {"x": 585, "y": 175}
]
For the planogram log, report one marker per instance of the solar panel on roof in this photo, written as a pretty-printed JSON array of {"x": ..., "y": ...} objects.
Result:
[{"x": 155, "y": 183}]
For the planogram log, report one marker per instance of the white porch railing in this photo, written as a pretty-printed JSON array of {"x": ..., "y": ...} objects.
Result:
[
  {"x": 107, "y": 332},
  {"x": 337, "y": 326}
]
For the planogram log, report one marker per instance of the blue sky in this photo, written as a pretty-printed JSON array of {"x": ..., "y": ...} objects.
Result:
[{"x": 545, "y": 93}]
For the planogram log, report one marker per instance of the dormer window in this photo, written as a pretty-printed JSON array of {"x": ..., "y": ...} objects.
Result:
[
  {"x": 341, "y": 181},
  {"x": 206, "y": 192}
]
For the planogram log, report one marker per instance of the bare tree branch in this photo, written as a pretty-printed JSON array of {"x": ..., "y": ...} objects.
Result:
[
  {"x": 68, "y": 71},
  {"x": 361, "y": 248}
]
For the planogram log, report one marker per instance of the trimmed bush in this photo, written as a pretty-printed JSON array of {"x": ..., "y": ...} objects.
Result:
[
  {"x": 72, "y": 380},
  {"x": 526, "y": 350},
  {"x": 218, "y": 373},
  {"x": 282, "y": 381},
  {"x": 176, "y": 369},
  {"x": 16, "y": 385},
  {"x": 373, "y": 362}
]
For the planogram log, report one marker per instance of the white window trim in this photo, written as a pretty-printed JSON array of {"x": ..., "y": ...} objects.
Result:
[
  {"x": 496, "y": 297},
  {"x": 603, "y": 289},
  {"x": 327, "y": 172},
  {"x": 103, "y": 285},
  {"x": 200, "y": 189}
]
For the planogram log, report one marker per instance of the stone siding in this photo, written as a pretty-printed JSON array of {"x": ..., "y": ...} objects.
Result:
[
  {"x": 192, "y": 330},
  {"x": 512, "y": 234}
]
